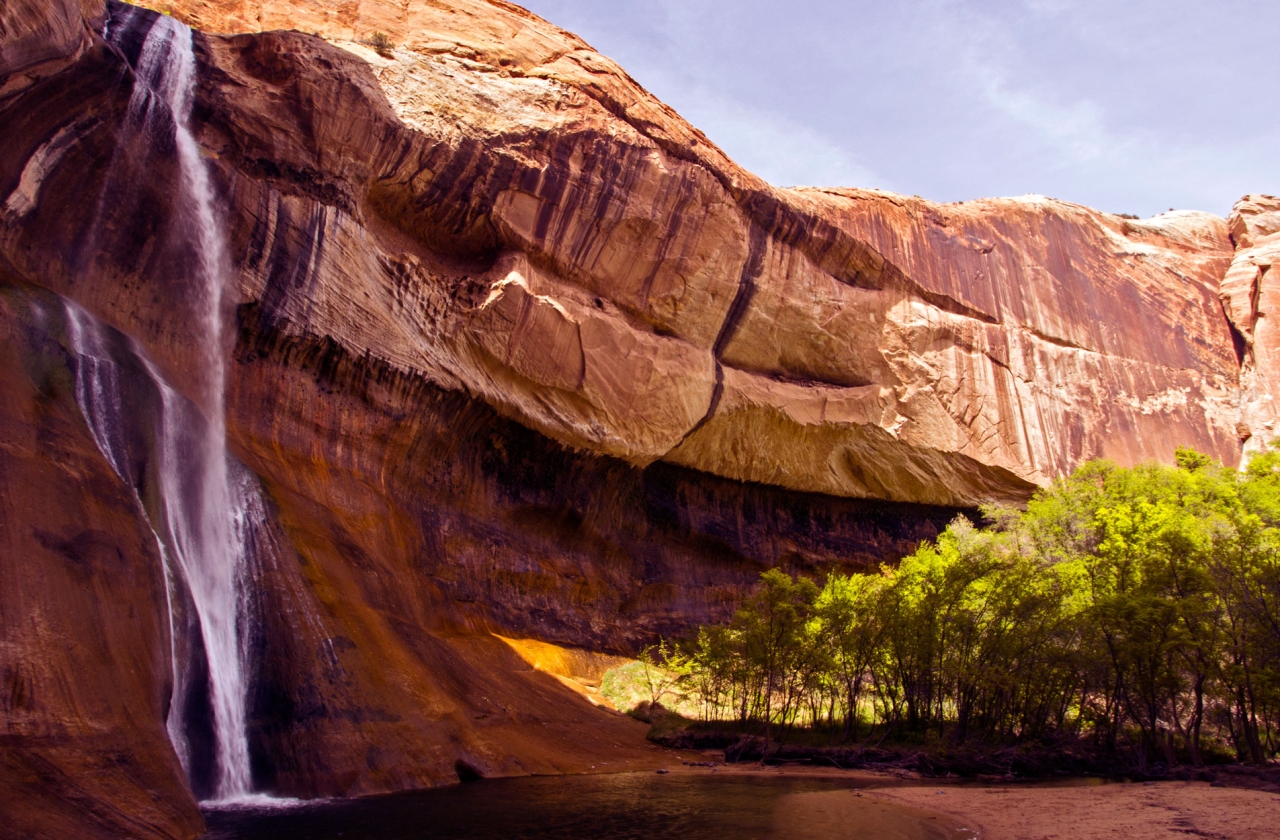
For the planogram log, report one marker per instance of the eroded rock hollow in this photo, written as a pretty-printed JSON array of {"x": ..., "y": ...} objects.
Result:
[{"x": 511, "y": 349}]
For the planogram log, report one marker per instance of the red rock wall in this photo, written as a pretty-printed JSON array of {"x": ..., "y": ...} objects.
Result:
[
  {"x": 85, "y": 673},
  {"x": 40, "y": 37},
  {"x": 1249, "y": 294},
  {"x": 635, "y": 293}
]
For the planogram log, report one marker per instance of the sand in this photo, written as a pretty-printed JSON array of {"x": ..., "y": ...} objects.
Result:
[
  {"x": 1072, "y": 810},
  {"x": 1135, "y": 811}
]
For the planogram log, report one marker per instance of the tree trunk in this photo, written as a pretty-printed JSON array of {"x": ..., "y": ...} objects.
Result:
[{"x": 1193, "y": 728}]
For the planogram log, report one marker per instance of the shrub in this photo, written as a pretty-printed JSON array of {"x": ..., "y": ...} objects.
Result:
[{"x": 381, "y": 44}]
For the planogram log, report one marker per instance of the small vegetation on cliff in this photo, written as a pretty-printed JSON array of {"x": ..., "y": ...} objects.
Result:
[
  {"x": 1130, "y": 612},
  {"x": 381, "y": 44}
]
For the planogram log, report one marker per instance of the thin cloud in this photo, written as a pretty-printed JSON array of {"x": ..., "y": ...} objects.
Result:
[
  {"x": 990, "y": 61},
  {"x": 777, "y": 148},
  {"x": 1133, "y": 106},
  {"x": 1078, "y": 131},
  {"x": 780, "y": 148}
]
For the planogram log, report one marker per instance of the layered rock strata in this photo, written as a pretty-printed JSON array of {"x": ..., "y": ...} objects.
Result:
[
  {"x": 643, "y": 297},
  {"x": 518, "y": 351}
]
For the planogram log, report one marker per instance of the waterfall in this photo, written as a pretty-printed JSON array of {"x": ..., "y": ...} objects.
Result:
[
  {"x": 197, "y": 516},
  {"x": 202, "y": 523}
]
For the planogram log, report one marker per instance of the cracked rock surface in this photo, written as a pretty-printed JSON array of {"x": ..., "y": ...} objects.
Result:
[{"x": 491, "y": 206}]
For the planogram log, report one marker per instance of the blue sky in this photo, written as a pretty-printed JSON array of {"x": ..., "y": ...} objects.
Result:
[{"x": 1130, "y": 106}]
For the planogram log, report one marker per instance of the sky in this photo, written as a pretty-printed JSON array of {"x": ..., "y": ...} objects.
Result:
[{"x": 1129, "y": 106}]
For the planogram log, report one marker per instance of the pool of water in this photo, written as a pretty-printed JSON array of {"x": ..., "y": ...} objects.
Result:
[{"x": 622, "y": 806}]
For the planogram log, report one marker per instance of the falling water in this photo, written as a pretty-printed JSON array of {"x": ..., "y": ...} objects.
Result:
[{"x": 197, "y": 516}]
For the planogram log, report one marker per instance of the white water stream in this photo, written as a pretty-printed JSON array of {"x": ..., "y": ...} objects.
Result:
[{"x": 199, "y": 518}]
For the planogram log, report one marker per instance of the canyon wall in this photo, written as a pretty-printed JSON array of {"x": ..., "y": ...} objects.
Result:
[
  {"x": 1247, "y": 296},
  {"x": 639, "y": 295},
  {"x": 85, "y": 675},
  {"x": 517, "y": 351}
]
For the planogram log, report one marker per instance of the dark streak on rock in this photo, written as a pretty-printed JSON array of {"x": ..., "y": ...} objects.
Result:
[{"x": 751, "y": 269}]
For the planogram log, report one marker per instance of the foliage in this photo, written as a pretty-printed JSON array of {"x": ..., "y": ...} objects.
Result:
[
  {"x": 1138, "y": 609},
  {"x": 381, "y": 44},
  {"x": 630, "y": 688}
]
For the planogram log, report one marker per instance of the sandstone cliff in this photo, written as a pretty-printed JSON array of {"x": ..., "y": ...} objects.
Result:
[
  {"x": 84, "y": 666},
  {"x": 829, "y": 369},
  {"x": 643, "y": 297},
  {"x": 1248, "y": 294},
  {"x": 518, "y": 350}
]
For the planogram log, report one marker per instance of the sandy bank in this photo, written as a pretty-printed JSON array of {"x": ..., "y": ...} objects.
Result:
[
  {"x": 1078, "y": 810},
  {"x": 1156, "y": 811}
]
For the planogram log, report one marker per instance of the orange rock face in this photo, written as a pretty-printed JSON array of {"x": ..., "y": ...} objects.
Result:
[
  {"x": 519, "y": 351},
  {"x": 1249, "y": 294},
  {"x": 645, "y": 298}
]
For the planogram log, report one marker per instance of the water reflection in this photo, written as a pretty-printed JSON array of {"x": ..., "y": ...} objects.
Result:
[{"x": 624, "y": 806}]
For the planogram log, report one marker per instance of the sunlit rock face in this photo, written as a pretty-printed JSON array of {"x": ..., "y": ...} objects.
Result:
[
  {"x": 492, "y": 207},
  {"x": 516, "y": 350},
  {"x": 1249, "y": 294}
]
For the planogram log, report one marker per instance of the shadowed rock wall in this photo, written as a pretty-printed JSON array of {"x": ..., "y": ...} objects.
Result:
[{"x": 85, "y": 674}]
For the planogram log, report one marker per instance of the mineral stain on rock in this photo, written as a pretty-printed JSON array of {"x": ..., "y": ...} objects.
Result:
[{"x": 514, "y": 351}]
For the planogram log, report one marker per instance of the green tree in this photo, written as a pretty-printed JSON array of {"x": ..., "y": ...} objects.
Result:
[{"x": 1136, "y": 606}]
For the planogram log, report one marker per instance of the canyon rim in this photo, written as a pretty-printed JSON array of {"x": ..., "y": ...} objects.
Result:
[{"x": 329, "y": 362}]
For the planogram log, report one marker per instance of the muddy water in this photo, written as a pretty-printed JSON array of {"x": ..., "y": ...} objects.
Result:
[{"x": 634, "y": 805}]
